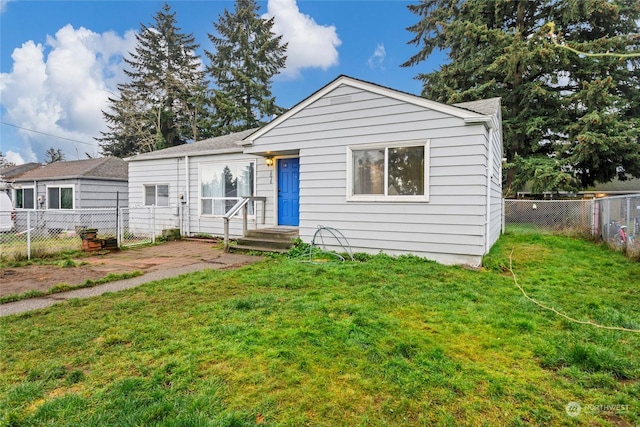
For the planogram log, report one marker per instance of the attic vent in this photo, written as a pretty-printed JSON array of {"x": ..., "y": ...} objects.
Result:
[{"x": 340, "y": 100}]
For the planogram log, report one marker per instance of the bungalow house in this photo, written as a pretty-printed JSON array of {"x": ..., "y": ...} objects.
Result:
[
  {"x": 76, "y": 184},
  {"x": 393, "y": 172}
]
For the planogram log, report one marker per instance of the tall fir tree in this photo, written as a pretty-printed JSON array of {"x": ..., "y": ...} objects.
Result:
[
  {"x": 247, "y": 56},
  {"x": 570, "y": 119},
  {"x": 164, "y": 103}
]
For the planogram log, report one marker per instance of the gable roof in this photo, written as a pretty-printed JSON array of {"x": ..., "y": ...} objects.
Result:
[
  {"x": 219, "y": 145},
  {"x": 468, "y": 114},
  {"x": 12, "y": 172},
  {"x": 108, "y": 168}
]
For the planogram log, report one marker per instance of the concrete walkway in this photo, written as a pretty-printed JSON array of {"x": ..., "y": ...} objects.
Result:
[{"x": 223, "y": 262}]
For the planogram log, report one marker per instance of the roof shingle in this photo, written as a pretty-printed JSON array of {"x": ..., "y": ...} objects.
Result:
[
  {"x": 100, "y": 168},
  {"x": 222, "y": 144}
]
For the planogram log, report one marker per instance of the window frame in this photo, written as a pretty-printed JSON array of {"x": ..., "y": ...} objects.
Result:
[
  {"x": 251, "y": 205},
  {"x": 33, "y": 198},
  {"x": 351, "y": 197},
  {"x": 72, "y": 187},
  {"x": 155, "y": 196}
]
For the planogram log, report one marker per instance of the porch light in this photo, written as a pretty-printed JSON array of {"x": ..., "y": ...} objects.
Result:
[{"x": 269, "y": 161}]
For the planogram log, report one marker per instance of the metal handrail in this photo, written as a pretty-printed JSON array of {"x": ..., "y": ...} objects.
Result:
[{"x": 241, "y": 204}]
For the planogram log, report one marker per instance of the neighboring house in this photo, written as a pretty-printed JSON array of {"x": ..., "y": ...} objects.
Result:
[
  {"x": 76, "y": 184},
  {"x": 10, "y": 173},
  {"x": 393, "y": 172}
]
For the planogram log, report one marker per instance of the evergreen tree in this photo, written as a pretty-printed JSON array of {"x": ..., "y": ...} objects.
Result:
[
  {"x": 569, "y": 119},
  {"x": 247, "y": 55},
  {"x": 53, "y": 155},
  {"x": 4, "y": 162},
  {"x": 163, "y": 104}
]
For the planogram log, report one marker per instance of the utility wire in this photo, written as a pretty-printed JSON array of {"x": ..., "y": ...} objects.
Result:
[
  {"x": 47, "y": 134},
  {"x": 571, "y": 319}
]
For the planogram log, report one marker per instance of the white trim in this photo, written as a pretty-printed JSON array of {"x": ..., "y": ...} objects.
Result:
[
  {"x": 487, "y": 121},
  {"x": 350, "y": 197},
  {"x": 370, "y": 87},
  {"x": 487, "y": 232},
  {"x": 144, "y": 194},
  {"x": 276, "y": 164},
  {"x": 22, "y": 188},
  {"x": 225, "y": 163},
  {"x": 59, "y": 187}
]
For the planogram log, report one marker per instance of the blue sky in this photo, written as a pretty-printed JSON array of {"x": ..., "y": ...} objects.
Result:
[{"x": 59, "y": 60}]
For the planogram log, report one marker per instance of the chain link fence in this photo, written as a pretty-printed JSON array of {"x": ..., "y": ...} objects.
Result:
[
  {"x": 27, "y": 234},
  {"x": 573, "y": 217},
  {"x": 618, "y": 220},
  {"x": 612, "y": 220}
]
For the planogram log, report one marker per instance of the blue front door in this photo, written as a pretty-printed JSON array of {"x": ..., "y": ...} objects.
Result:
[{"x": 289, "y": 192}]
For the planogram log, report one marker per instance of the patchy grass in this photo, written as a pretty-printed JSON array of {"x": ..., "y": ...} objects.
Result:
[
  {"x": 386, "y": 342},
  {"x": 63, "y": 287}
]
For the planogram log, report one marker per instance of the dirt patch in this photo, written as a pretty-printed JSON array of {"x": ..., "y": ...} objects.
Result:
[{"x": 167, "y": 256}]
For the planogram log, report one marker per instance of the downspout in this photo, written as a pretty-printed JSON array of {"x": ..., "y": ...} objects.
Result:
[
  {"x": 186, "y": 197},
  {"x": 487, "y": 237}
]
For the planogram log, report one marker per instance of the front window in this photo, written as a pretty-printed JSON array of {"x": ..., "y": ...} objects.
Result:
[
  {"x": 59, "y": 197},
  {"x": 24, "y": 198},
  {"x": 396, "y": 172},
  {"x": 156, "y": 195},
  {"x": 223, "y": 184}
]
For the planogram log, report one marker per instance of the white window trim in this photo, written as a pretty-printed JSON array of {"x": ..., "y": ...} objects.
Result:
[
  {"x": 384, "y": 197},
  {"x": 227, "y": 162},
  {"x": 26, "y": 187},
  {"x": 60, "y": 187},
  {"x": 144, "y": 194}
]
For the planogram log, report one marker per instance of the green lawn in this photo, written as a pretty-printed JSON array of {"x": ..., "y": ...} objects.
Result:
[{"x": 388, "y": 341}]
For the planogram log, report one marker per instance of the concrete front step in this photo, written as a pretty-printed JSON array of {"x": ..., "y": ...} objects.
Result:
[
  {"x": 247, "y": 248},
  {"x": 267, "y": 240},
  {"x": 273, "y": 233}
]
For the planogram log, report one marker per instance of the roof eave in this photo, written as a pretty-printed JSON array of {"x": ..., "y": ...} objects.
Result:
[
  {"x": 487, "y": 121},
  {"x": 59, "y": 178},
  {"x": 186, "y": 154}
]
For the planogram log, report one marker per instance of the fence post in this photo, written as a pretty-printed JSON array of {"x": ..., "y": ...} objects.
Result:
[
  {"x": 152, "y": 211},
  {"x": 628, "y": 222},
  {"x": 118, "y": 229},
  {"x": 504, "y": 220},
  {"x": 595, "y": 217},
  {"x": 28, "y": 234}
]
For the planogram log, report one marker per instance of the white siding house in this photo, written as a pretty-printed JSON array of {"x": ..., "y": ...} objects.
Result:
[
  {"x": 393, "y": 172},
  {"x": 75, "y": 184},
  {"x": 181, "y": 176}
]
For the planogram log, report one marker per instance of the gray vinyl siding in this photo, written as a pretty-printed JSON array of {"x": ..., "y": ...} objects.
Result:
[
  {"x": 172, "y": 171},
  {"x": 92, "y": 194},
  {"x": 87, "y": 193},
  {"x": 449, "y": 228}
]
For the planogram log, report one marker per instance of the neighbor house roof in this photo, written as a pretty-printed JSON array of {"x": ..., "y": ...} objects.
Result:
[
  {"x": 468, "y": 114},
  {"x": 12, "y": 172},
  {"x": 109, "y": 168},
  {"x": 219, "y": 145}
]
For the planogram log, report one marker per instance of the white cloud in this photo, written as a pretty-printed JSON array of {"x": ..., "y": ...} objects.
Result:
[
  {"x": 3, "y": 5},
  {"x": 61, "y": 88},
  {"x": 377, "y": 59},
  {"x": 13, "y": 157},
  {"x": 310, "y": 45}
]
